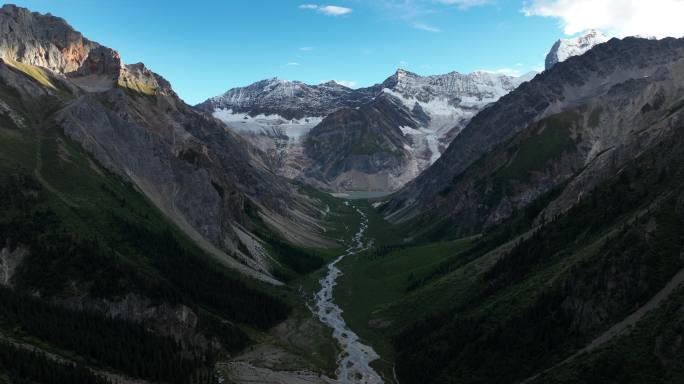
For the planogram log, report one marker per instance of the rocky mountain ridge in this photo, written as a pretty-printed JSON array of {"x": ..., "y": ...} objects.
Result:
[{"x": 287, "y": 99}]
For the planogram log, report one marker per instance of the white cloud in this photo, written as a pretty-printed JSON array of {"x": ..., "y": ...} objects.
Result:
[
  {"x": 293, "y": 64},
  {"x": 465, "y": 4},
  {"x": 659, "y": 18},
  {"x": 329, "y": 10},
  {"x": 306, "y": 49},
  {"x": 334, "y": 10},
  {"x": 426, "y": 27}
]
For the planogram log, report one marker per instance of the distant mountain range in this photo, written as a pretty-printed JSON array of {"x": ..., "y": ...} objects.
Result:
[
  {"x": 329, "y": 136},
  {"x": 299, "y": 124}
]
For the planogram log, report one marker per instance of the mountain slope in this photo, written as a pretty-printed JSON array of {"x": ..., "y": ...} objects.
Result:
[
  {"x": 139, "y": 236},
  {"x": 616, "y": 69},
  {"x": 360, "y": 148},
  {"x": 528, "y": 306},
  {"x": 203, "y": 177}
]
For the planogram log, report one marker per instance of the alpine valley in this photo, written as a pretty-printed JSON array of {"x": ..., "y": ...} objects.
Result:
[{"x": 521, "y": 229}]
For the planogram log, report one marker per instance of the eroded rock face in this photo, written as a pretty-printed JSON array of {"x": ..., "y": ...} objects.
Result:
[
  {"x": 10, "y": 260},
  {"x": 201, "y": 176},
  {"x": 100, "y": 61},
  {"x": 41, "y": 40},
  {"x": 177, "y": 321}
]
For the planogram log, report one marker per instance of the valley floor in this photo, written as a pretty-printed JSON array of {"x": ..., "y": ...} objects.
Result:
[
  {"x": 381, "y": 289},
  {"x": 301, "y": 349}
]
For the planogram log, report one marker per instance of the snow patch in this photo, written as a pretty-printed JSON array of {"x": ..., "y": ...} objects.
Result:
[
  {"x": 408, "y": 130},
  {"x": 271, "y": 125}
]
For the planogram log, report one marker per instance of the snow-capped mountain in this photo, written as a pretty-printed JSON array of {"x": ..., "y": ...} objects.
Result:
[
  {"x": 443, "y": 104},
  {"x": 566, "y": 48},
  {"x": 290, "y": 99},
  {"x": 278, "y": 115},
  {"x": 281, "y": 108}
]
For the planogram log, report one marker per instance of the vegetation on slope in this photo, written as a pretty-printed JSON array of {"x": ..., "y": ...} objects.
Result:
[
  {"x": 651, "y": 353},
  {"x": 525, "y": 311},
  {"x": 20, "y": 366},
  {"x": 107, "y": 342},
  {"x": 528, "y": 293},
  {"x": 91, "y": 235}
]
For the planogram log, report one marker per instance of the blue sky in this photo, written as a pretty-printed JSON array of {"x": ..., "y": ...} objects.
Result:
[{"x": 207, "y": 47}]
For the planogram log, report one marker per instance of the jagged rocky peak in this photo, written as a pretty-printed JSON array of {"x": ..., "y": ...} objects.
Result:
[
  {"x": 477, "y": 87},
  {"x": 42, "y": 40},
  {"x": 287, "y": 99},
  {"x": 141, "y": 79},
  {"x": 49, "y": 42},
  {"x": 333, "y": 84},
  {"x": 566, "y": 48},
  {"x": 399, "y": 76}
]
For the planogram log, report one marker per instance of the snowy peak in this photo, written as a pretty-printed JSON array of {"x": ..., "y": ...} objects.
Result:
[
  {"x": 289, "y": 99},
  {"x": 400, "y": 76},
  {"x": 566, "y": 48},
  {"x": 454, "y": 87}
]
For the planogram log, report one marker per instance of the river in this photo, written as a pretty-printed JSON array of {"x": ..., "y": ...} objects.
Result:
[{"x": 353, "y": 362}]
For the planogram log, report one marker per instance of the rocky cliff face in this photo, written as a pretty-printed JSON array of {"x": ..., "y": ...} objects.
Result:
[
  {"x": 574, "y": 125},
  {"x": 10, "y": 260},
  {"x": 279, "y": 116},
  {"x": 41, "y": 40}
]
